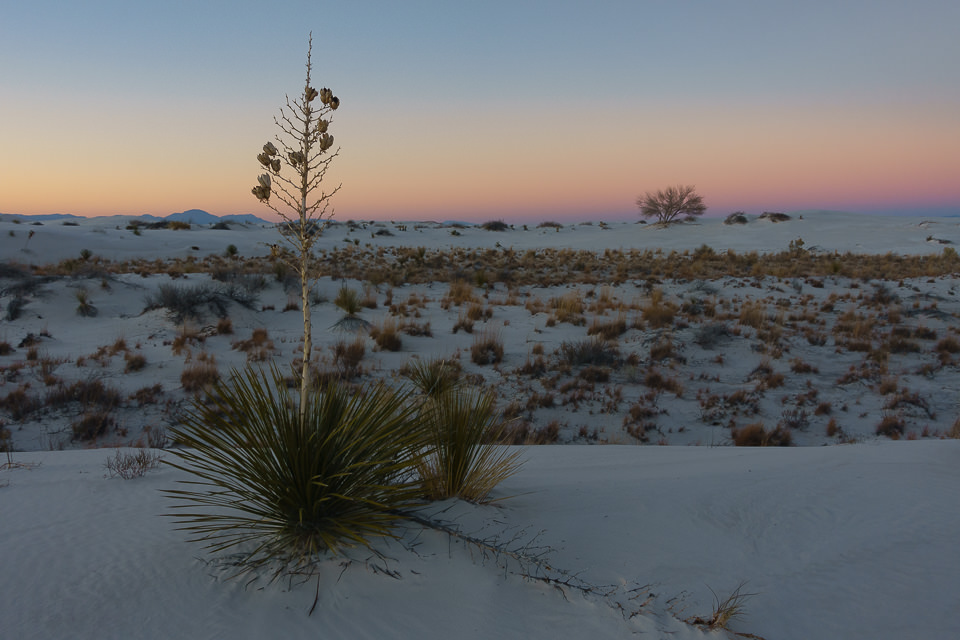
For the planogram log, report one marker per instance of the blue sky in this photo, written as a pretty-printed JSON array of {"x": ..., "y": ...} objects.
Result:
[{"x": 521, "y": 110}]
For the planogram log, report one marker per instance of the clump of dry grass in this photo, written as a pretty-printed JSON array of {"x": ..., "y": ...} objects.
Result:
[
  {"x": 609, "y": 329},
  {"x": 487, "y": 348},
  {"x": 753, "y": 314},
  {"x": 347, "y": 357},
  {"x": 134, "y": 362},
  {"x": 658, "y": 312},
  {"x": 954, "y": 431},
  {"x": 569, "y": 308},
  {"x": 726, "y": 610},
  {"x": 755, "y": 435},
  {"x": 892, "y": 426},
  {"x": 92, "y": 425},
  {"x": 258, "y": 347},
  {"x": 460, "y": 293},
  {"x": 200, "y": 376},
  {"x": 387, "y": 335}
]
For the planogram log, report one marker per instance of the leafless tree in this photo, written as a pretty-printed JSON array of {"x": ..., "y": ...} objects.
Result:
[{"x": 667, "y": 204}]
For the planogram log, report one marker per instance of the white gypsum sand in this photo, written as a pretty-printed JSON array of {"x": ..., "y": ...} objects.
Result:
[{"x": 843, "y": 541}]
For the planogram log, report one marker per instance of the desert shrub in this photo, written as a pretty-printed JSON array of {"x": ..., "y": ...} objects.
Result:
[
  {"x": 709, "y": 335},
  {"x": 947, "y": 346},
  {"x": 594, "y": 374},
  {"x": 5, "y": 348},
  {"x": 657, "y": 312},
  {"x": 737, "y": 217},
  {"x": 659, "y": 382},
  {"x": 668, "y": 204},
  {"x": 487, "y": 348},
  {"x": 295, "y": 488},
  {"x": 891, "y": 425},
  {"x": 87, "y": 393},
  {"x": 177, "y": 225},
  {"x": 134, "y": 362},
  {"x": 954, "y": 431},
  {"x": 522, "y": 432},
  {"x": 132, "y": 465},
  {"x": 461, "y": 292},
  {"x": 754, "y": 435},
  {"x": 224, "y": 326},
  {"x": 549, "y": 224},
  {"x": 147, "y": 395},
  {"x": 183, "y": 302},
  {"x": 387, "y": 336},
  {"x": 15, "y": 308},
  {"x": 19, "y": 404},
  {"x": 608, "y": 330},
  {"x": 347, "y": 357},
  {"x": 258, "y": 346},
  {"x": 92, "y": 425},
  {"x": 433, "y": 377},
  {"x": 200, "y": 376},
  {"x": 664, "y": 349},
  {"x": 569, "y": 308},
  {"x": 459, "y": 461},
  {"x": 774, "y": 216},
  {"x": 753, "y": 314},
  {"x": 590, "y": 351},
  {"x": 84, "y": 307},
  {"x": 495, "y": 225},
  {"x": 348, "y": 300}
]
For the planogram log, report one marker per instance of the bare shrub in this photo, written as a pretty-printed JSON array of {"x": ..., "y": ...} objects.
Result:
[
  {"x": 132, "y": 465},
  {"x": 591, "y": 351},
  {"x": 666, "y": 205}
]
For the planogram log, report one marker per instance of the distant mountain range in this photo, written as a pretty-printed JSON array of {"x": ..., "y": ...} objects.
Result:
[{"x": 193, "y": 216}]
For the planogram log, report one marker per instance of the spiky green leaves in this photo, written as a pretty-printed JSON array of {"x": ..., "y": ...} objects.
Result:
[
  {"x": 463, "y": 459},
  {"x": 283, "y": 490}
]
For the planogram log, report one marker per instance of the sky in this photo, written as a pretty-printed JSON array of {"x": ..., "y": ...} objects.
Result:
[{"x": 514, "y": 110}]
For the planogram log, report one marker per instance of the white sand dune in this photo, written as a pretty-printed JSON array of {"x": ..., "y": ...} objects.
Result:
[{"x": 846, "y": 541}]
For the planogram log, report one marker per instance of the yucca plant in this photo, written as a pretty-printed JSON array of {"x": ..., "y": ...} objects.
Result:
[
  {"x": 434, "y": 377},
  {"x": 284, "y": 489},
  {"x": 460, "y": 460}
]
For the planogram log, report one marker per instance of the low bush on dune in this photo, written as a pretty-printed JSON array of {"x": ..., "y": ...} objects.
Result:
[
  {"x": 495, "y": 225},
  {"x": 184, "y": 302},
  {"x": 754, "y": 435}
]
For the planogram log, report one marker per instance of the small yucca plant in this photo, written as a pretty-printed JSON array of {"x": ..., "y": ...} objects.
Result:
[
  {"x": 460, "y": 462},
  {"x": 434, "y": 377},
  {"x": 286, "y": 489}
]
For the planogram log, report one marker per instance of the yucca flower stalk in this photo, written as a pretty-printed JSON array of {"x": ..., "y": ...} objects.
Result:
[{"x": 305, "y": 150}]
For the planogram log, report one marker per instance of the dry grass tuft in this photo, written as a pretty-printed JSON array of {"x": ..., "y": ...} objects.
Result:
[
  {"x": 487, "y": 348},
  {"x": 754, "y": 435}
]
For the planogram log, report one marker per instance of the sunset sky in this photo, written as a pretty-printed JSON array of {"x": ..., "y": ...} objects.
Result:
[{"x": 518, "y": 110}]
